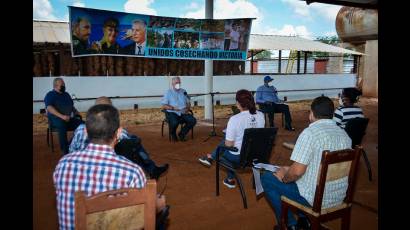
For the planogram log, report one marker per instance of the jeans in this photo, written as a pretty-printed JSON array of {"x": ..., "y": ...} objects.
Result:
[
  {"x": 174, "y": 120},
  {"x": 274, "y": 189},
  {"x": 147, "y": 164},
  {"x": 277, "y": 108},
  {"x": 226, "y": 154},
  {"x": 62, "y": 127}
]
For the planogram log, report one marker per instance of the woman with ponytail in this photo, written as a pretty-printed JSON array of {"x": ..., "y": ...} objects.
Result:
[{"x": 248, "y": 117}]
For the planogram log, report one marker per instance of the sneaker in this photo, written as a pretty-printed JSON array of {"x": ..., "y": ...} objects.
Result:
[
  {"x": 229, "y": 183},
  {"x": 289, "y": 145},
  {"x": 290, "y": 129},
  {"x": 181, "y": 137},
  {"x": 206, "y": 161}
]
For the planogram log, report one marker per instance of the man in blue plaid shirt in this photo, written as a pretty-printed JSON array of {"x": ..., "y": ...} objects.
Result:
[
  {"x": 97, "y": 168},
  {"x": 80, "y": 142}
]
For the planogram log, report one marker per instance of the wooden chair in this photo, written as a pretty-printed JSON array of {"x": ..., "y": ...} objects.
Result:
[
  {"x": 256, "y": 147},
  {"x": 356, "y": 129},
  {"x": 169, "y": 128},
  {"x": 334, "y": 165},
  {"x": 125, "y": 209}
]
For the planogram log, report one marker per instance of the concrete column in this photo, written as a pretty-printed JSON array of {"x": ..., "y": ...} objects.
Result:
[
  {"x": 371, "y": 72},
  {"x": 335, "y": 64},
  {"x": 209, "y": 14}
]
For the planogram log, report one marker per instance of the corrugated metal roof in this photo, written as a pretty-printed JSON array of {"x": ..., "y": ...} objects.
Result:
[
  {"x": 51, "y": 32},
  {"x": 276, "y": 42},
  {"x": 55, "y": 32}
]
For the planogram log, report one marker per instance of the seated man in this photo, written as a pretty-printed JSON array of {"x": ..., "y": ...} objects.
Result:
[
  {"x": 97, "y": 168},
  {"x": 61, "y": 112},
  {"x": 80, "y": 142},
  {"x": 345, "y": 112},
  {"x": 298, "y": 182},
  {"x": 248, "y": 117},
  {"x": 267, "y": 98},
  {"x": 177, "y": 104}
]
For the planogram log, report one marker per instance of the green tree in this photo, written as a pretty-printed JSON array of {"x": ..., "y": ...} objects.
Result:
[
  {"x": 266, "y": 54},
  {"x": 331, "y": 40}
]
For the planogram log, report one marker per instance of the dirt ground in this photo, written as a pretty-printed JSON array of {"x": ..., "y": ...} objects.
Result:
[{"x": 190, "y": 187}]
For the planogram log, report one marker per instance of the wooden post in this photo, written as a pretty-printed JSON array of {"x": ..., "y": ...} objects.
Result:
[
  {"x": 298, "y": 63},
  {"x": 251, "y": 61},
  {"x": 355, "y": 62},
  {"x": 305, "y": 66},
  {"x": 280, "y": 62}
]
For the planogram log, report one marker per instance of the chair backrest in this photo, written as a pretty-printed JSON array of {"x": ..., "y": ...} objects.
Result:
[
  {"x": 356, "y": 129},
  {"x": 128, "y": 208},
  {"x": 257, "y": 145},
  {"x": 333, "y": 166}
]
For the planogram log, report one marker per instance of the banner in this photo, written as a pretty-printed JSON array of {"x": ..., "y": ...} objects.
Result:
[{"x": 101, "y": 32}]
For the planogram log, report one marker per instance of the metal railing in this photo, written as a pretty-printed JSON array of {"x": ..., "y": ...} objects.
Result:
[{"x": 193, "y": 95}]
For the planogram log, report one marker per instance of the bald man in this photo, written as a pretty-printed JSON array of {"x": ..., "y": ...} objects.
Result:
[
  {"x": 80, "y": 142},
  {"x": 61, "y": 113},
  {"x": 177, "y": 105}
]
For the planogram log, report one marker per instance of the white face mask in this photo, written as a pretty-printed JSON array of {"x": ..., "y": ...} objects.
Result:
[
  {"x": 340, "y": 101},
  {"x": 178, "y": 86}
]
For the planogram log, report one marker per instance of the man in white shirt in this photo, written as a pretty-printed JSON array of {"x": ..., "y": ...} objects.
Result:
[
  {"x": 298, "y": 181},
  {"x": 138, "y": 36},
  {"x": 234, "y": 44}
]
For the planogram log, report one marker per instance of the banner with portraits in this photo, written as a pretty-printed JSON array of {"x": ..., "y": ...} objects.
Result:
[{"x": 102, "y": 32}]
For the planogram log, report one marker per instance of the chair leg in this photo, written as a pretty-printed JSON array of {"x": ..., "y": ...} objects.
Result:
[
  {"x": 346, "y": 219},
  {"x": 48, "y": 137},
  {"x": 162, "y": 129},
  {"x": 217, "y": 177},
  {"x": 369, "y": 168},
  {"x": 243, "y": 194},
  {"x": 52, "y": 142},
  {"x": 314, "y": 224}
]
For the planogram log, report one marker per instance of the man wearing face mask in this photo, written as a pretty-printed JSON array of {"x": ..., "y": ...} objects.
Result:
[
  {"x": 269, "y": 102},
  {"x": 61, "y": 113},
  {"x": 176, "y": 102},
  {"x": 298, "y": 181}
]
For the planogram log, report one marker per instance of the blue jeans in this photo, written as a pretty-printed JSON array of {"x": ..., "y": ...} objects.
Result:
[
  {"x": 226, "y": 154},
  {"x": 274, "y": 189},
  {"x": 62, "y": 127},
  {"x": 174, "y": 120}
]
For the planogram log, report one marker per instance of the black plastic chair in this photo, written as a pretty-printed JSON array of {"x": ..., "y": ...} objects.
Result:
[
  {"x": 256, "y": 147},
  {"x": 356, "y": 129},
  {"x": 267, "y": 117},
  {"x": 169, "y": 128},
  {"x": 51, "y": 129}
]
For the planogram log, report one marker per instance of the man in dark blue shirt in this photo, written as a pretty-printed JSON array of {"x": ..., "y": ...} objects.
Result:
[
  {"x": 268, "y": 101},
  {"x": 61, "y": 112}
]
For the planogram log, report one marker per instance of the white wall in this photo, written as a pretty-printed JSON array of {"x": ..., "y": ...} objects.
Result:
[{"x": 91, "y": 87}]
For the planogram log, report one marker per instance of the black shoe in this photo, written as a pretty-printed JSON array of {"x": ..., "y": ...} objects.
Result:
[
  {"x": 158, "y": 171},
  {"x": 290, "y": 129},
  {"x": 161, "y": 218},
  {"x": 174, "y": 138},
  {"x": 181, "y": 137},
  {"x": 303, "y": 223}
]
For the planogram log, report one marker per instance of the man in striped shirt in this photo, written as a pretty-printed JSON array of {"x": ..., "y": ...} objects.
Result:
[
  {"x": 80, "y": 142},
  {"x": 347, "y": 110},
  {"x": 97, "y": 168},
  {"x": 298, "y": 181}
]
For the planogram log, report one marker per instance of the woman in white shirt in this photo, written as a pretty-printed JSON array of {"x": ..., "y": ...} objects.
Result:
[{"x": 249, "y": 117}]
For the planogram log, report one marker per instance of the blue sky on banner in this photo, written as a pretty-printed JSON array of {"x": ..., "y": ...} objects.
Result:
[{"x": 279, "y": 17}]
